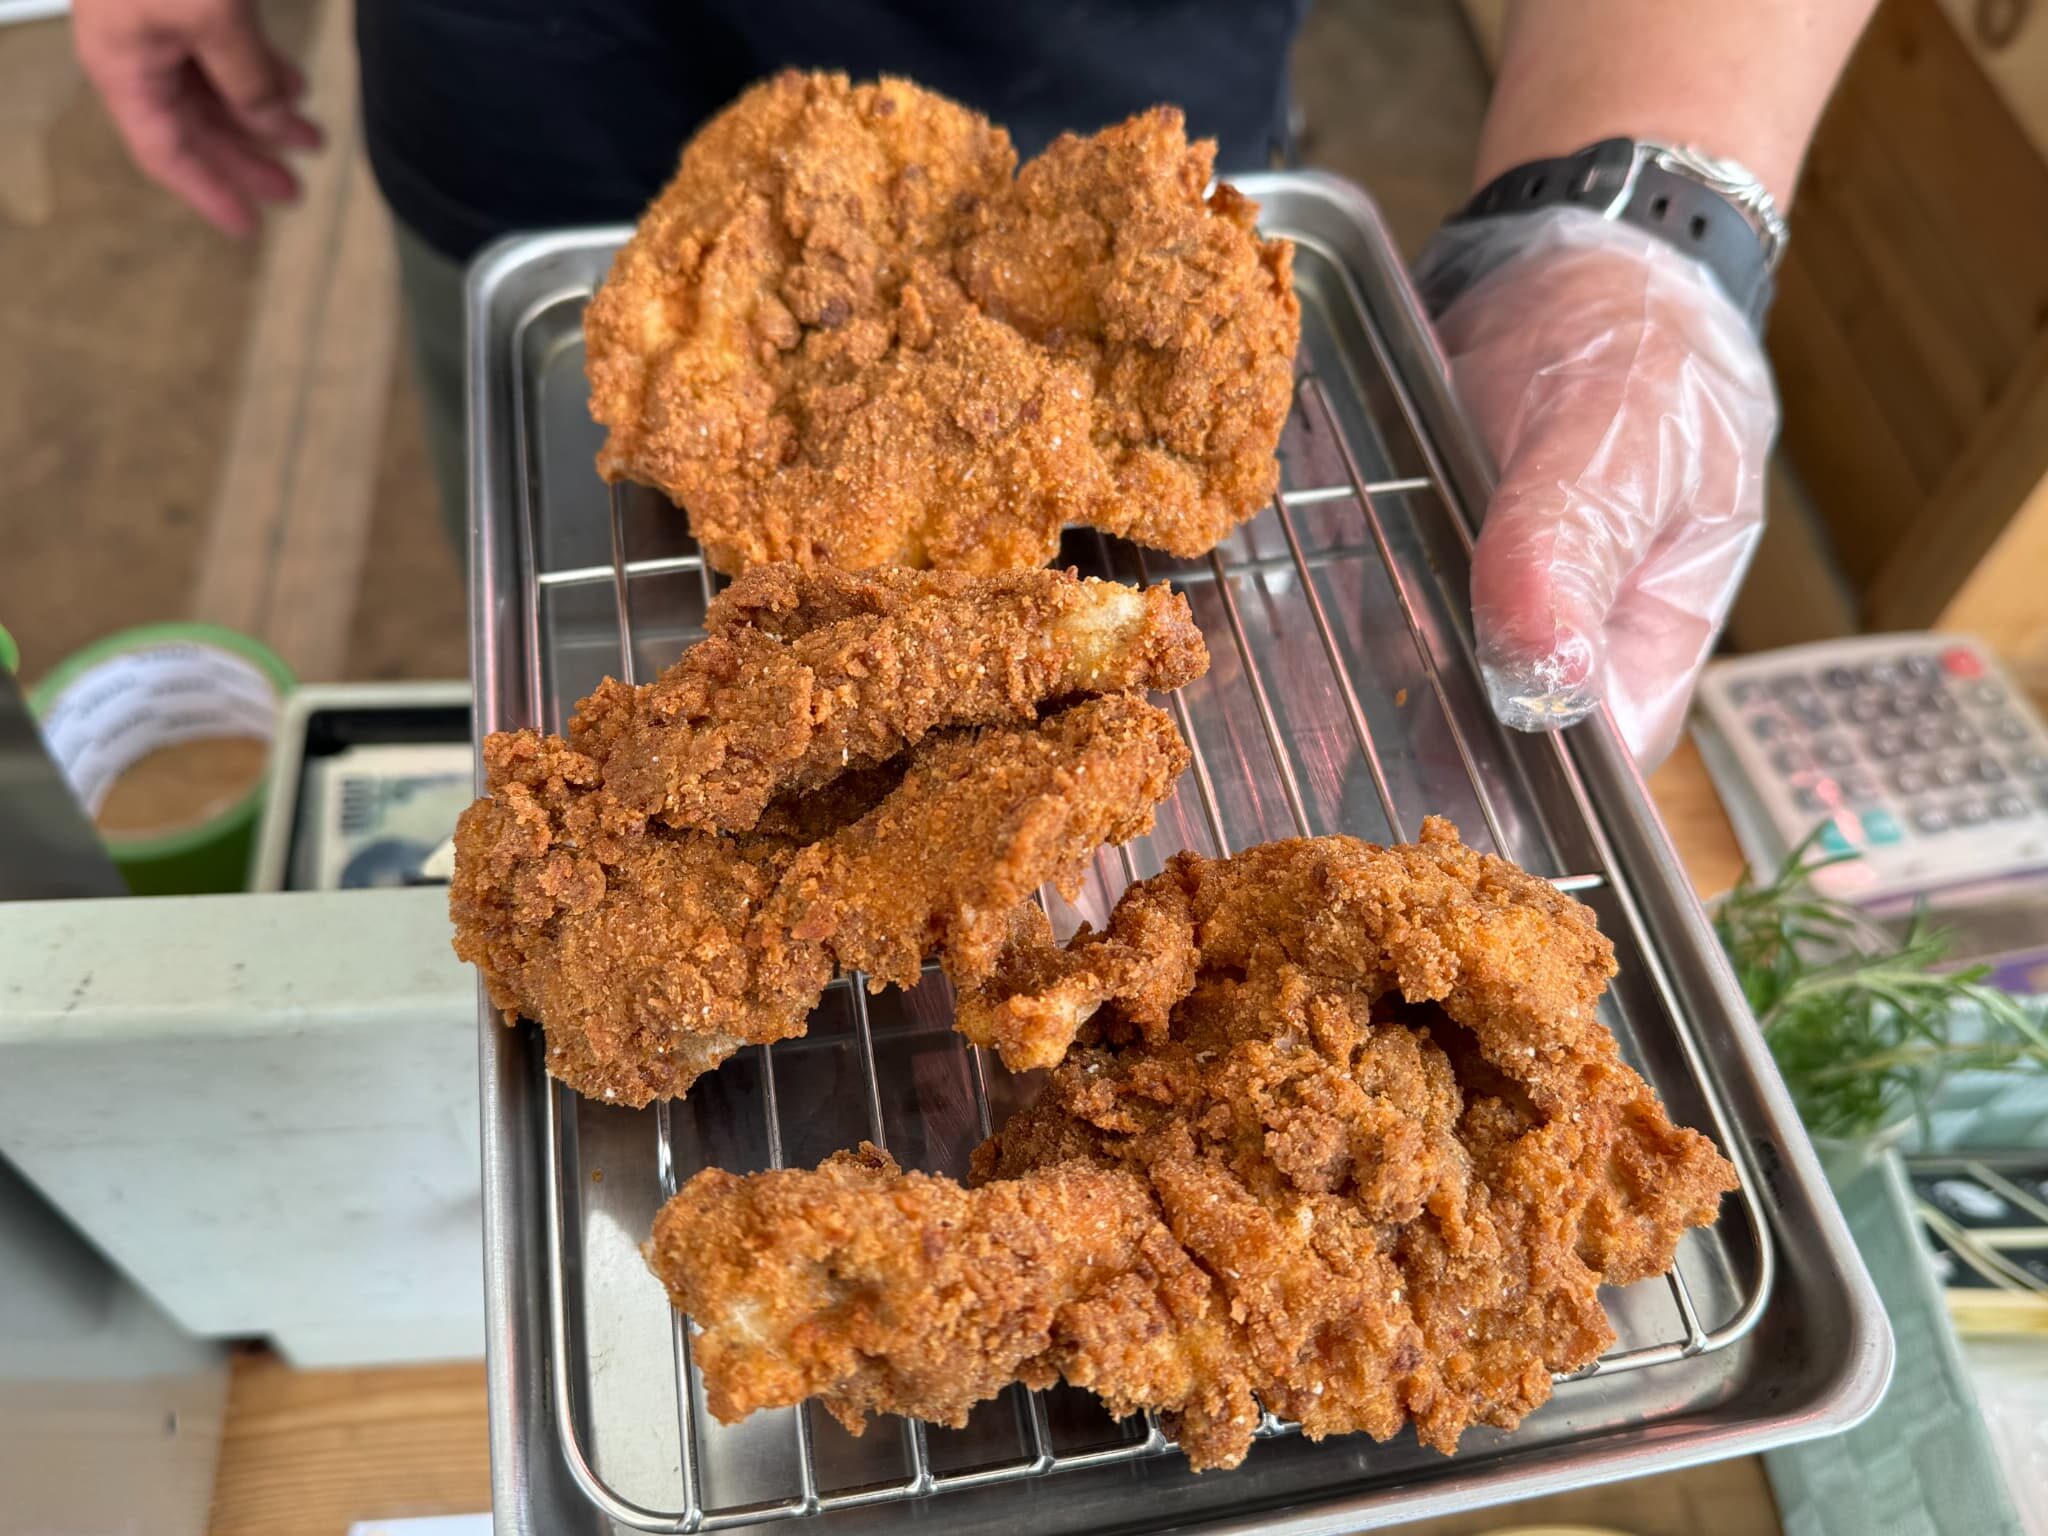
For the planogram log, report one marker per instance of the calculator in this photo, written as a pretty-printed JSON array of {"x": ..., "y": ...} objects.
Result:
[{"x": 1914, "y": 751}]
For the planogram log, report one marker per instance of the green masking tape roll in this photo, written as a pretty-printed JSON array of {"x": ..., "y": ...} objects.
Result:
[{"x": 112, "y": 704}]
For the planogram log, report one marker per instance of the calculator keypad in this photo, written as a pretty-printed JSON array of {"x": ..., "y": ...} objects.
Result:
[{"x": 1919, "y": 745}]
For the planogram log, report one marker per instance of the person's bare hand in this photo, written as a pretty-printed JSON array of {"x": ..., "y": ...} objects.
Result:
[{"x": 205, "y": 104}]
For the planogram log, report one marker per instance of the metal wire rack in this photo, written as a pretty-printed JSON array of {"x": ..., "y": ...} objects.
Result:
[{"x": 1290, "y": 620}]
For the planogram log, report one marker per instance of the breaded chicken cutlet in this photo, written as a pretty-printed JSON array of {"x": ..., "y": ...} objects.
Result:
[
  {"x": 1342, "y": 1136},
  {"x": 850, "y": 772},
  {"x": 909, "y": 1293},
  {"x": 649, "y": 955},
  {"x": 805, "y": 674},
  {"x": 851, "y": 332}
]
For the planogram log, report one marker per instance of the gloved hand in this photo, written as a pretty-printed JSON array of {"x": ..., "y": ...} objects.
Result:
[{"x": 1630, "y": 409}]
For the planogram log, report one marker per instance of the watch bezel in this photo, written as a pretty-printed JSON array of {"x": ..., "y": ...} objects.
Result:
[{"x": 1732, "y": 180}]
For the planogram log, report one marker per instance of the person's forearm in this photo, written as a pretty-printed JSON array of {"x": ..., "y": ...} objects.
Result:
[{"x": 1739, "y": 78}]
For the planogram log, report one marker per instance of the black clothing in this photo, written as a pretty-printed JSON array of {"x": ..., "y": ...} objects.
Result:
[{"x": 483, "y": 118}]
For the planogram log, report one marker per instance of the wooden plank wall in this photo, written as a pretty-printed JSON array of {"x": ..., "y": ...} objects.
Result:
[
  {"x": 1909, "y": 332},
  {"x": 2001, "y": 597}
]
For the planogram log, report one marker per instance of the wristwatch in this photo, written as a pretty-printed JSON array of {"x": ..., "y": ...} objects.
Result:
[{"x": 1714, "y": 210}]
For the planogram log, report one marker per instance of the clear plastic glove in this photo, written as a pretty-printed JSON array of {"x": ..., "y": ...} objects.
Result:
[{"x": 1630, "y": 409}]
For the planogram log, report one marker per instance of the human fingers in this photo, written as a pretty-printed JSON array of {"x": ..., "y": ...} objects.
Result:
[
  {"x": 256, "y": 84},
  {"x": 161, "y": 126},
  {"x": 239, "y": 156}
]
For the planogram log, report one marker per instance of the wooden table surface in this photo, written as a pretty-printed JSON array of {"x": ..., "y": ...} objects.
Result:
[{"x": 306, "y": 1453}]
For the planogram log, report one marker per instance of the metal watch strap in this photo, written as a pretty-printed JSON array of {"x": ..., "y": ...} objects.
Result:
[{"x": 1659, "y": 190}]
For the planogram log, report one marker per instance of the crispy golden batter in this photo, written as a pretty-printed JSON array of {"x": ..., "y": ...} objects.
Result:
[
  {"x": 804, "y": 674},
  {"x": 649, "y": 954},
  {"x": 913, "y": 1295},
  {"x": 1369, "y": 1099},
  {"x": 1037, "y": 996},
  {"x": 983, "y": 819},
  {"x": 845, "y": 334},
  {"x": 633, "y": 946}
]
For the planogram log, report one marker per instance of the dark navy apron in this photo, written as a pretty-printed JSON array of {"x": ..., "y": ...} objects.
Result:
[{"x": 485, "y": 118}]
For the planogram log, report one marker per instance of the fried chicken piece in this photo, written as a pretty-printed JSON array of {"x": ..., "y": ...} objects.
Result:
[
  {"x": 803, "y": 674},
  {"x": 897, "y": 1292},
  {"x": 634, "y": 947},
  {"x": 649, "y": 955},
  {"x": 982, "y": 820},
  {"x": 1368, "y": 1097},
  {"x": 845, "y": 334},
  {"x": 1037, "y": 996},
  {"x": 1424, "y": 1051},
  {"x": 1107, "y": 253}
]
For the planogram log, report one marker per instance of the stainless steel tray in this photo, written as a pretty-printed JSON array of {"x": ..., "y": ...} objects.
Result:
[{"x": 1343, "y": 698}]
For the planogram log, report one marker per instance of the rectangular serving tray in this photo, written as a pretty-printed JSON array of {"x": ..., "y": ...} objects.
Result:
[{"x": 1344, "y": 698}]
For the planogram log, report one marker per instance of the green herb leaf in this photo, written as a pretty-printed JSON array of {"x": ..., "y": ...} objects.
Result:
[{"x": 1863, "y": 1027}]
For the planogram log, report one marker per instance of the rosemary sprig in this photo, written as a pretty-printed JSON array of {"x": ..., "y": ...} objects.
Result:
[{"x": 1863, "y": 1027}]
